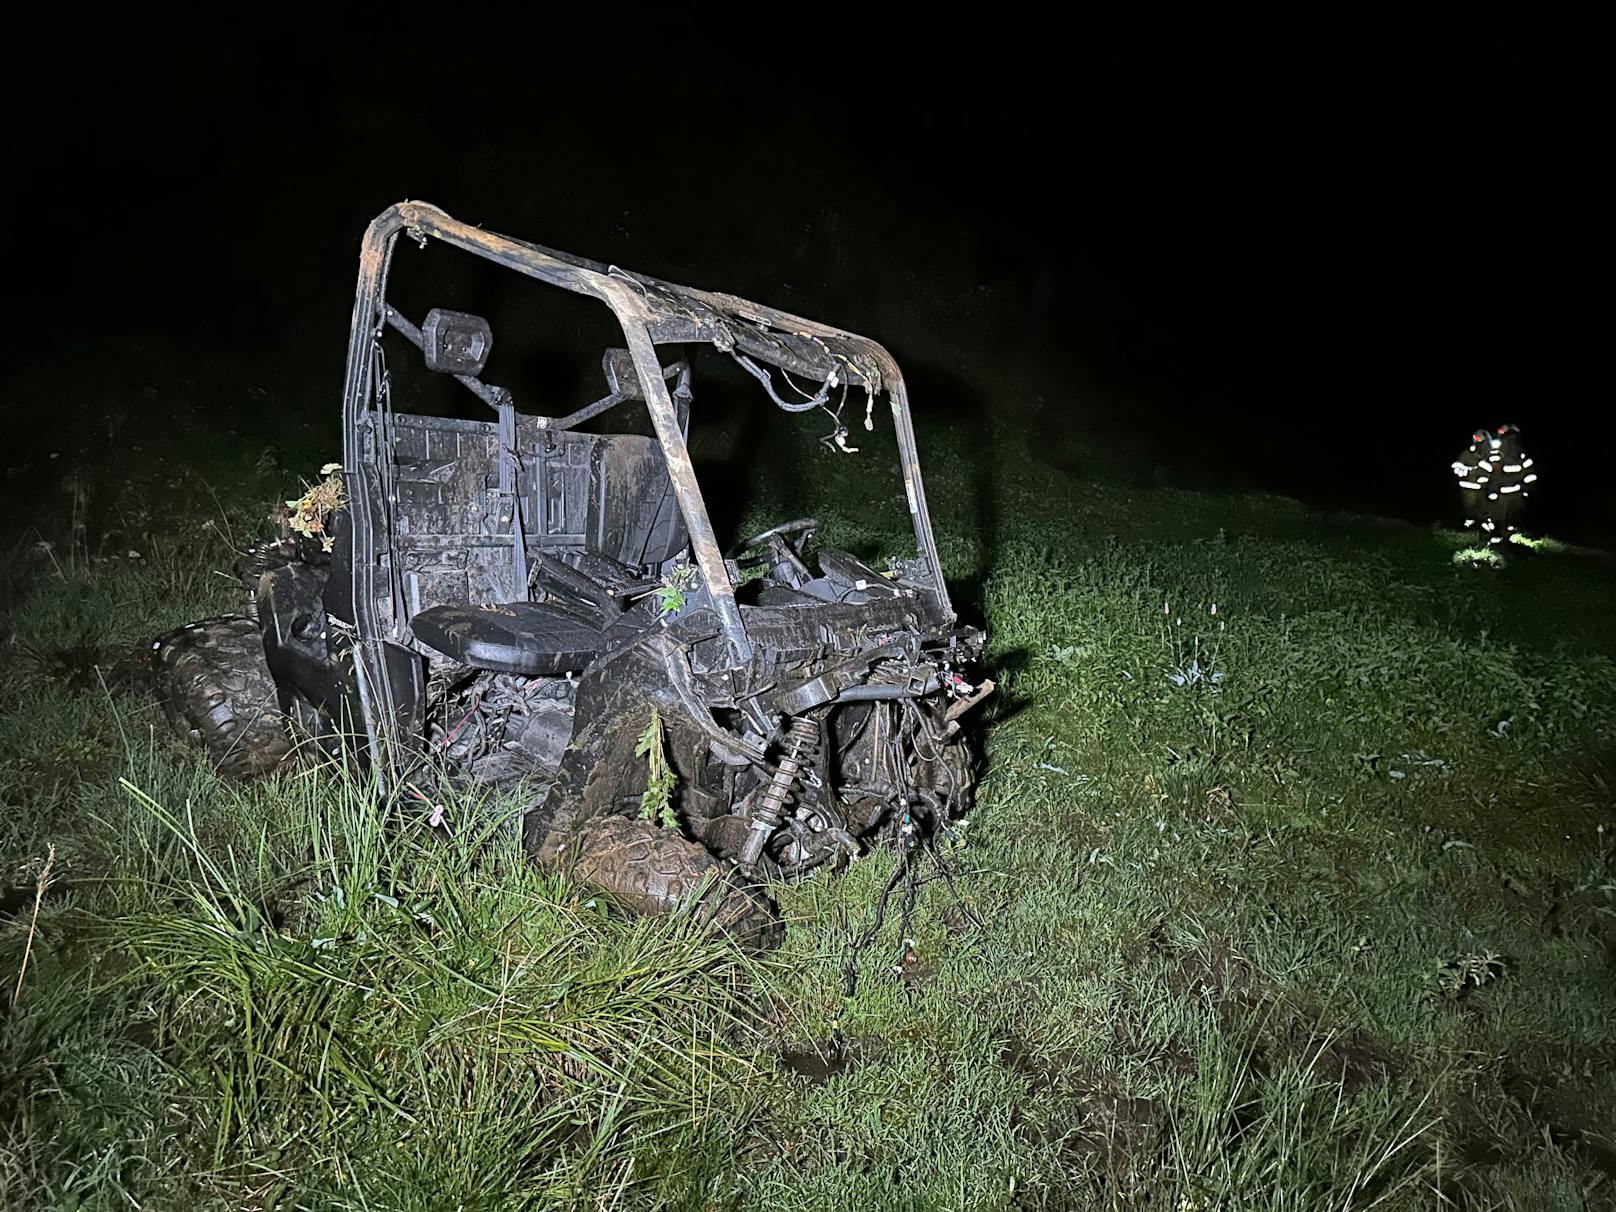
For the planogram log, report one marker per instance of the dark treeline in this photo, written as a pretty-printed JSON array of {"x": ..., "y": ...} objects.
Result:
[{"x": 1295, "y": 278}]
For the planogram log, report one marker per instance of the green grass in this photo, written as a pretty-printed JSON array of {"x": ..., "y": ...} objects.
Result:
[{"x": 1306, "y": 903}]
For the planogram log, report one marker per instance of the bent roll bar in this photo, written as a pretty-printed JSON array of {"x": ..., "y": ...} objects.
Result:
[{"x": 650, "y": 312}]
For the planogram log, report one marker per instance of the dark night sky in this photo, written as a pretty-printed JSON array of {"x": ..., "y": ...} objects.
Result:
[{"x": 1308, "y": 259}]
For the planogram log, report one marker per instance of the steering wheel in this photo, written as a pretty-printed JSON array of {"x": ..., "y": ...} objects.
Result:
[
  {"x": 762, "y": 538},
  {"x": 784, "y": 550}
]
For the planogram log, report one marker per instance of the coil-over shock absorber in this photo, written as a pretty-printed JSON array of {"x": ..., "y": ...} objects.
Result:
[{"x": 798, "y": 747}]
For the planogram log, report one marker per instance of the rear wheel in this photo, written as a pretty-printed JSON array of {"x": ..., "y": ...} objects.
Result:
[{"x": 216, "y": 690}]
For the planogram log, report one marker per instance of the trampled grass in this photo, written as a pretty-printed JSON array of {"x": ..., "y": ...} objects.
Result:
[{"x": 1305, "y": 902}]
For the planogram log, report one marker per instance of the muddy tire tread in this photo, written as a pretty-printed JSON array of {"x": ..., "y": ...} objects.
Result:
[
  {"x": 216, "y": 690},
  {"x": 656, "y": 871}
]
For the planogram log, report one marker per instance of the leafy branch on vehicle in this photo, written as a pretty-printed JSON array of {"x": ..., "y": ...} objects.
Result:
[
  {"x": 313, "y": 509},
  {"x": 670, "y": 595},
  {"x": 657, "y": 802}
]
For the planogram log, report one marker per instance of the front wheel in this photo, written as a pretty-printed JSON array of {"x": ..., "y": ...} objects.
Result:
[
  {"x": 654, "y": 871},
  {"x": 216, "y": 690}
]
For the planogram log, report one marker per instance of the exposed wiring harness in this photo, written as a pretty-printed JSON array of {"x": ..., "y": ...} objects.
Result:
[
  {"x": 820, "y": 399},
  {"x": 922, "y": 817}
]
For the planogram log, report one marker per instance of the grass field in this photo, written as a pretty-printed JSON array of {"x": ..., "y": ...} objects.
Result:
[{"x": 1294, "y": 867}]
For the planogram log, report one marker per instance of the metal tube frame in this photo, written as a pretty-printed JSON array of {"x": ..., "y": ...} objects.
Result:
[{"x": 628, "y": 295}]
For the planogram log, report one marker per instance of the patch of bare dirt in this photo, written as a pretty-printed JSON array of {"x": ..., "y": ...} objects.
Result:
[
  {"x": 1089, "y": 1116},
  {"x": 1171, "y": 1056},
  {"x": 1559, "y": 1112},
  {"x": 1217, "y": 976},
  {"x": 1289, "y": 1027},
  {"x": 89, "y": 666},
  {"x": 1357, "y": 1059},
  {"x": 817, "y": 1061}
]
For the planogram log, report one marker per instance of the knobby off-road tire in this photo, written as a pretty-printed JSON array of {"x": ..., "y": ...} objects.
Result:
[
  {"x": 216, "y": 689},
  {"x": 655, "y": 871}
]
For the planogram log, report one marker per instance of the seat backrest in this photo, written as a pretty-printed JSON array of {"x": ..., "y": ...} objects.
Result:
[
  {"x": 447, "y": 520},
  {"x": 633, "y": 516}
]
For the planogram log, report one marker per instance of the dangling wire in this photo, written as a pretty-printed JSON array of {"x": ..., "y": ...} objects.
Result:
[
  {"x": 761, "y": 374},
  {"x": 914, "y": 849},
  {"x": 837, "y": 437}
]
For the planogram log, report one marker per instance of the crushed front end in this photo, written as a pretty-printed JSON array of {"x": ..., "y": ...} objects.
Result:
[{"x": 843, "y": 726}]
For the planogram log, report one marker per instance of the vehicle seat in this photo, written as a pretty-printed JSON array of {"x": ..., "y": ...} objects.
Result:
[
  {"x": 632, "y": 523},
  {"x": 536, "y": 639},
  {"x": 632, "y": 514}
]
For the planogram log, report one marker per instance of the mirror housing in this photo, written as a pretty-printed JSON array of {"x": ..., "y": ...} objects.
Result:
[{"x": 456, "y": 342}]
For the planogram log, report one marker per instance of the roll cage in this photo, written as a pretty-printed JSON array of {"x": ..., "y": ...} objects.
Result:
[{"x": 650, "y": 313}]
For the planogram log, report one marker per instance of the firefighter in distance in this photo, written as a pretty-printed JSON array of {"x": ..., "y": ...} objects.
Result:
[{"x": 1495, "y": 478}]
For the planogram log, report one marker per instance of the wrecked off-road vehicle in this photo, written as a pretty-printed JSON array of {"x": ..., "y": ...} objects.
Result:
[{"x": 520, "y": 601}]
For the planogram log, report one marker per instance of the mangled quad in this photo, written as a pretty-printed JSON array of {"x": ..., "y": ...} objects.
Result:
[{"x": 517, "y": 600}]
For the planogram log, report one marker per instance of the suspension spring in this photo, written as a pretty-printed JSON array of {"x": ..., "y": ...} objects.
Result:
[{"x": 799, "y": 745}]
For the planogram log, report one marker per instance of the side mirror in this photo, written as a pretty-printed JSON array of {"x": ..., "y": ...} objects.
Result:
[{"x": 456, "y": 342}]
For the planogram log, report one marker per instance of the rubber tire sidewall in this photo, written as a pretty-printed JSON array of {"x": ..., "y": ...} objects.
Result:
[{"x": 217, "y": 691}]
